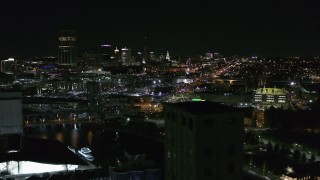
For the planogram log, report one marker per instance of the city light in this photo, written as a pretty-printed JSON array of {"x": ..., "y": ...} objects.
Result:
[{"x": 241, "y": 93}]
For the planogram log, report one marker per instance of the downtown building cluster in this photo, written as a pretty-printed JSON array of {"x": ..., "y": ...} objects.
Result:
[{"x": 153, "y": 95}]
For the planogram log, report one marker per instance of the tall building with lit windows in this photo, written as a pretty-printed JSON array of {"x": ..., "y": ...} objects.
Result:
[
  {"x": 106, "y": 52},
  {"x": 168, "y": 56},
  {"x": 203, "y": 140},
  {"x": 67, "y": 54},
  {"x": 146, "y": 53},
  {"x": 126, "y": 56},
  {"x": 8, "y": 65}
]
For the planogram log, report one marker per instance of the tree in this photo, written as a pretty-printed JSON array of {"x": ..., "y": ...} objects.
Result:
[
  {"x": 284, "y": 151},
  {"x": 296, "y": 155},
  {"x": 304, "y": 158},
  {"x": 269, "y": 147},
  {"x": 276, "y": 148},
  {"x": 250, "y": 138},
  {"x": 312, "y": 158}
]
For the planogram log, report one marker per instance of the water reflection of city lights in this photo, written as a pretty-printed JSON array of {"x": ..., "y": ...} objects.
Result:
[
  {"x": 60, "y": 137},
  {"x": 90, "y": 137},
  {"x": 44, "y": 136},
  {"x": 74, "y": 138}
]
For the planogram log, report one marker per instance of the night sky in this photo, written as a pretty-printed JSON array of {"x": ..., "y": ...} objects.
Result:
[{"x": 186, "y": 27}]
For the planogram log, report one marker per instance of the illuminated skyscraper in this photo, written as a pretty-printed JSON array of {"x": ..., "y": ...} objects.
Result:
[
  {"x": 8, "y": 65},
  {"x": 117, "y": 54},
  {"x": 146, "y": 53},
  {"x": 209, "y": 55},
  {"x": 168, "y": 56},
  {"x": 126, "y": 55},
  {"x": 106, "y": 52},
  {"x": 67, "y": 48},
  {"x": 152, "y": 56},
  {"x": 139, "y": 57}
]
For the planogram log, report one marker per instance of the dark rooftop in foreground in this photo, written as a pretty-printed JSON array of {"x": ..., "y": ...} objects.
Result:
[
  {"x": 202, "y": 107},
  {"x": 39, "y": 150}
]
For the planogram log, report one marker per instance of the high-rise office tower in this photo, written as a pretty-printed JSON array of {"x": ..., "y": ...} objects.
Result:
[
  {"x": 209, "y": 55},
  {"x": 106, "y": 52},
  {"x": 139, "y": 57},
  {"x": 117, "y": 54},
  {"x": 92, "y": 95},
  {"x": 8, "y": 65},
  {"x": 67, "y": 48},
  {"x": 152, "y": 56},
  {"x": 90, "y": 60},
  {"x": 168, "y": 56},
  {"x": 146, "y": 53},
  {"x": 203, "y": 140},
  {"x": 126, "y": 55},
  {"x": 216, "y": 56}
]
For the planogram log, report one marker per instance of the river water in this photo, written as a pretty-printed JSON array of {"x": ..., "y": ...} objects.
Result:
[{"x": 103, "y": 143}]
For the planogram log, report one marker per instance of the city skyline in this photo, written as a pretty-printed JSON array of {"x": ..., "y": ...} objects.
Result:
[{"x": 252, "y": 28}]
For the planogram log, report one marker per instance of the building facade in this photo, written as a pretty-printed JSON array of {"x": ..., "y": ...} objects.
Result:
[
  {"x": 67, "y": 54},
  {"x": 8, "y": 65},
  {"x": 106, "y": 53},
  {"x": 11, "y": 113},
  {"x": 203, "y": 140},
  {"x": 267, "y": 97},
  {"x": 126, "y": 56},
  {"x": 90, "y": 60}
]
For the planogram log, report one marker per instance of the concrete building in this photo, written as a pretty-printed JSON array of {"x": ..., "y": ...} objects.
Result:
[
  {"x": 209, "y": 55},
  {"x": 90, "y": 60},
  {"x": 92, "y": 94},
  {"x": 11, "y": 117},
  {"x": 107, "y": 57},
  {"x": 267, "y": 97},
  {"x": 67, "y": 48},
  {"x": 8, "y": 66},
  {"x": 146, "y": 53},
  {"x": 106, "y": 52},
  {"x": 117, "y": 54},
  {"x": 203, "y": 140},
  {"x": 126, "y": 56}
]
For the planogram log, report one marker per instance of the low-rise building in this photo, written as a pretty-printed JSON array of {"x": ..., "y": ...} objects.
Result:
[{"x": 264, "y": 98}]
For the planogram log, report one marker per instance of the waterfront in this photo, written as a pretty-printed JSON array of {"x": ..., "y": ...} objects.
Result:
[{"x": 103, "y": 143}]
